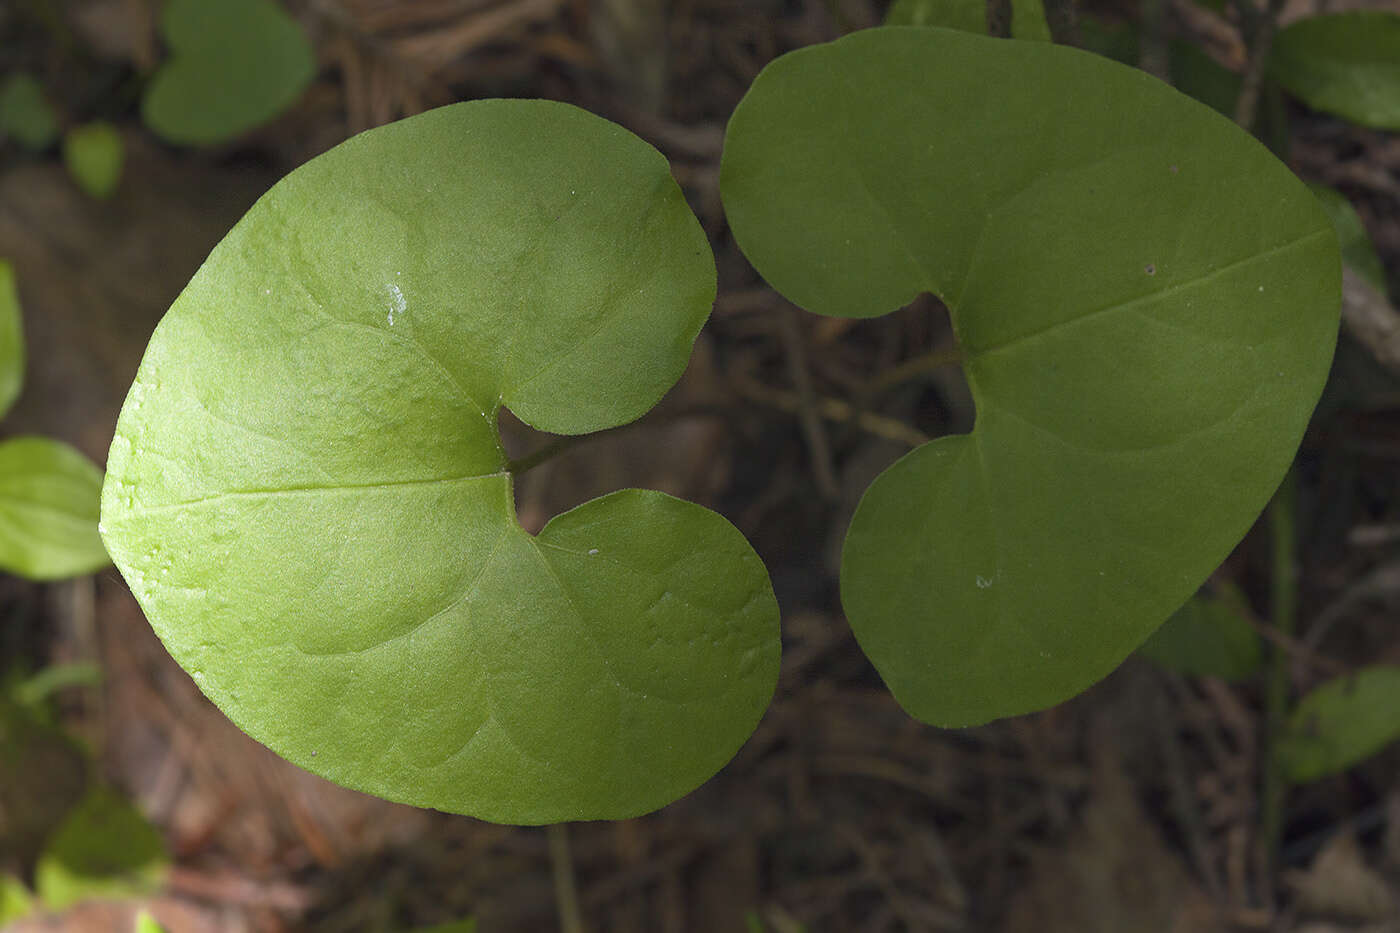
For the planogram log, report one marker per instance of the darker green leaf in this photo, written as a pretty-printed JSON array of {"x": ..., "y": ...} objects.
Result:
[
  {"x": 1342, "y": 723},
  {"x": 1343, "y": 63},
  {"x": 1210, "y": 636},
  {"x": 234, "y": 64},
  {"x": 1146, "y": 301},
  {"x": 25, "y": 113},
  {"x": 104, "y": 849}
]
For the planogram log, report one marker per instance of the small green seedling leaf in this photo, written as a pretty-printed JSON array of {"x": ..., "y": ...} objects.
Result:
[
  {"x": 234, "y": 65},
  {"x": 1027, "y": 16},
  {"x": 1341, "y": 723},
  {"x": 104, "y": 849},
  {"x": 1343, "y": 63},
  {"x": 308, "y": 495},
  {"x": 94, "y": 155},
  {"x": 26, "y": 115},
  {"x": 11, "y": 339},
  {"x": 1210, "y": 636},
  {"x": 1146, "y": 303},
  {"x": 16, "y": 902},
  {"x": 1357, "y": 250},
  {"x": 49, "y": 495},
  {"x": 37, "y": 689},
  {"x": 145, "y": 923}
]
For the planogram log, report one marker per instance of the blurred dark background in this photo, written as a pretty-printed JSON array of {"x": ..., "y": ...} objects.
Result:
[{"x": 1135, "y": 807}]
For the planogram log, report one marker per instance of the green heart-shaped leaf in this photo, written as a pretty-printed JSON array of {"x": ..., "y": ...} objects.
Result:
[
  {"x": 307, "y": 493},
  {"x": 1146, "y": 302},
  {"x": 1343, "y": 63},
  {"x": 11, "y": 339},
  {"x": 49, "y": 495},
  {"x": 234, "y": 65}
]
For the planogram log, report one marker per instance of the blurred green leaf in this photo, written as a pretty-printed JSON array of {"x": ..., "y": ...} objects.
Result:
[
  {"x": 25, "y": 113},
  {"x": 1357, "y": 250},
  {"x": 104, "y": 849},
  {"x": 234, "y": 64},
  {"x": 94, "y": 155},
  {"x": 55, "y": 677},
  {"x": 11, "y": 339},
  {"x": 43, "y": 773},
  {"x": 1192, "y": 71},
  {"x": 145, "y": 923},
  {"x": 49, "y": 501},
  {"x": 1208, "y": 637},
  {"x": 1027, "y": 16},
  {"x": 1343, "y": 63},
  {"x": 15, "y": 900},
  {"x": 1341, "y": 723}
]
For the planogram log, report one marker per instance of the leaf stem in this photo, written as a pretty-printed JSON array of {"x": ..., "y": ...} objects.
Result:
[
  {"x": 559, "y": 445},
  {"x": 1283, "y": 599},
  {"x": 818, "y": 446},
  {"x": 565, "y": 888},
  {"x": 546, "y": 452}
]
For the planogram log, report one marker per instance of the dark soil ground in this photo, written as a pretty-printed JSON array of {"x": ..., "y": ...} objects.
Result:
[{"x": 1135, "y": 807}]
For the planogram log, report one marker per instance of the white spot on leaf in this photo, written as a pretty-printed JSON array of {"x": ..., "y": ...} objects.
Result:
[
  {"x": 984, "y": 582},
  {"x": 397, "y": 303}
]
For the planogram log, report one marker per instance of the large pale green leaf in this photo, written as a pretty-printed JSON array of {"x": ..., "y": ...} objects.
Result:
[
  {"x": 1210, "y": 636},
  {"x": 49, "y": 496},
  {"x": 234, "y": 64},
  {"x": 104, "y": 849},
  {"x": 1027, "y": 16},
  {"x": 25, "y": 113},
  {"x": 1146, "y": 302},
  {"x": 307, "y": 494},
  {"x": 11, "y": 339},
  {"x": 1341, "y": 723},
  {"x": 1343, "y": 63}
]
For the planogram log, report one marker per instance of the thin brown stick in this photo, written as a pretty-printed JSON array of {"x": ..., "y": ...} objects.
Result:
[
  {"x": 833, "y": 409},
  {"x": 999, "y": 19},
  {"x": 1062, "y": 16},
  {"x": 1153, "y": 55},
  {"x": 1261, "y": 40}
]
